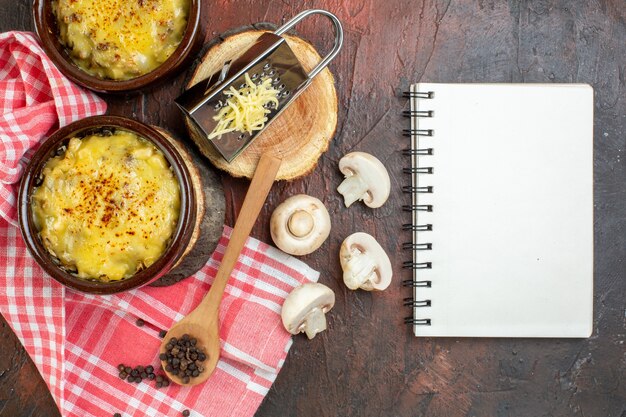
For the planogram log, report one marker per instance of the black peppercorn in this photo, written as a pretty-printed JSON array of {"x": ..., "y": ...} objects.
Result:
[{"x": 182, "y": 358}]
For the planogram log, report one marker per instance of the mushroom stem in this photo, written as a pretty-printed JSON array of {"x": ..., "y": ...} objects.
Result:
[
  {"x": 353, "y": 188},
  {"x": 359, "y": 269},
  {"x": 315, "y": 322},
  {"x": 301, "y": 223}
]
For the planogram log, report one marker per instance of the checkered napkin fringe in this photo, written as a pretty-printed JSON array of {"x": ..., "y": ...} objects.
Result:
[{"x": 34, "y": 99}]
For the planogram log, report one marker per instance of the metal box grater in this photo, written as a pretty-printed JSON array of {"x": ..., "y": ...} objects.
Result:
[{"x": 268, "y": 57}]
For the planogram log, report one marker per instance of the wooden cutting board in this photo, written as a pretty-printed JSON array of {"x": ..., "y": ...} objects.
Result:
[{"x": 300, "y": 134}]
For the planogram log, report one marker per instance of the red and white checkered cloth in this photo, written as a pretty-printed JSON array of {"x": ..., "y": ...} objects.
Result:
[
  {"x": 34, "y": 99},
  {"x": 77, "y": 340}
]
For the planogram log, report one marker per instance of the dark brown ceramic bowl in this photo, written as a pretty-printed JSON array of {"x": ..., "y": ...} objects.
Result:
[
  {"x": 46, "y": 27},
  {"x": 32, "y": 177}
]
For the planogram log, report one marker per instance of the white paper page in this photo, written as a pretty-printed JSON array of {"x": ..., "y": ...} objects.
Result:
[{"x": 512, "y": 238}]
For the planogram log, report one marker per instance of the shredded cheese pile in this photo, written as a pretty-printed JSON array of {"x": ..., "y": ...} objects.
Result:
[{"x": 246, "y": 108}]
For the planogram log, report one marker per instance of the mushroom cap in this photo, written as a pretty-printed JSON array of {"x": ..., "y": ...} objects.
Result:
[
  {"x": 372, "y": 172},
  {"x": 368, "y": 246},
  {"x": 304, "y": 300},
  {"x": 300, "y": 224}
]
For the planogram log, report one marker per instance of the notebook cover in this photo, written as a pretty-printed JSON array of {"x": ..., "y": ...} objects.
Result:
[{"x": 512, "y": 238}]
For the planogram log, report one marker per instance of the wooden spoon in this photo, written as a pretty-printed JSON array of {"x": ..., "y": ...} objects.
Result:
[{"x": 203, "y": 322}]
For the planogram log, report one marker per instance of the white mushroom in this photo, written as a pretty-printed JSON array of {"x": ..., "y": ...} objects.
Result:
[
  {"x": 300, "y": 224},
  {"x": 305, "y": 307},
  {"x": 366, "y": 179},
  {"x": 365, "y": 264}
]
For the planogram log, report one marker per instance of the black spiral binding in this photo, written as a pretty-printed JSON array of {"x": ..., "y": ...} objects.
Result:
[{"x": 414, "y": 151}]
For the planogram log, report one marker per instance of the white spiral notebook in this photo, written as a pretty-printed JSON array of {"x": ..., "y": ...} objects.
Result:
[{"x": 501, "y": 210}]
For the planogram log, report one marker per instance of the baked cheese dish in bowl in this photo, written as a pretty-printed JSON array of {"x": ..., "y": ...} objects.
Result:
[
  {"x": 117, "y": 45},
  {"x": 107, "y": 204}
]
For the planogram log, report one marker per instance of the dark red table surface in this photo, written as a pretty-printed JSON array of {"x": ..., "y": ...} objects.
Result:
[{"x": 368, "y": 363}]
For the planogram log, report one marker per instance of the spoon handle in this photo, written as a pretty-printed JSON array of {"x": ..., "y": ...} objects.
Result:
[{"x": 260, "y": 186}]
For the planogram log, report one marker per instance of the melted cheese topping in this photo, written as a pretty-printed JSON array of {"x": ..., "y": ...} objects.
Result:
[
  {"x": 121, "y": 39},
  {"x": 246, "y": 108},
  {"x": 107, "y": 207}
]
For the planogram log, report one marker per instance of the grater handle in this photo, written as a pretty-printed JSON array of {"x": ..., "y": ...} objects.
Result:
[{"x": 338, "y": 36}]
